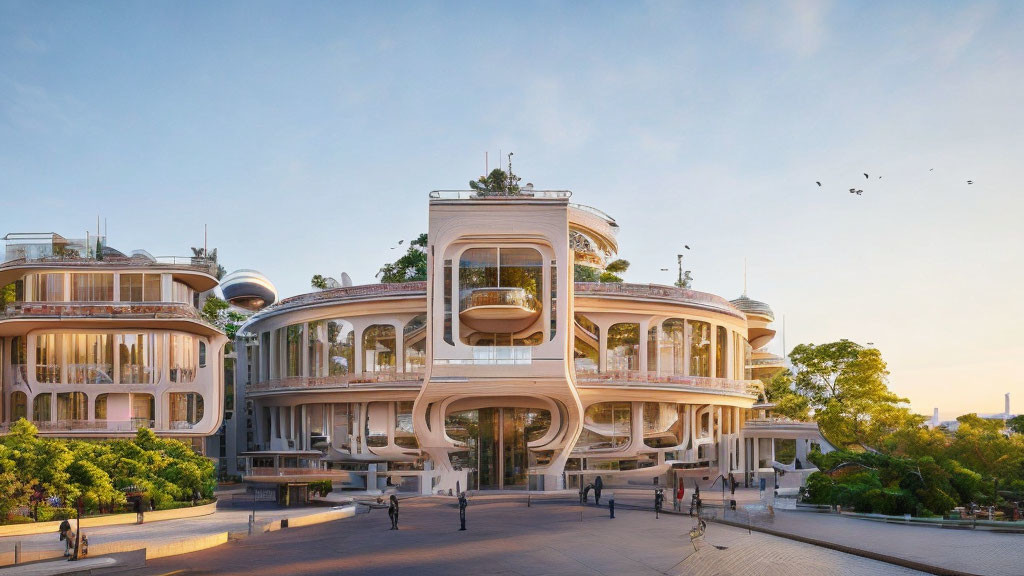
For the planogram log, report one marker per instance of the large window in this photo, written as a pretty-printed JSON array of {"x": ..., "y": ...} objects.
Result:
[
  {"x": 91, "y": 287},
  {"x": 140, "y": 287},
  {"x": 624, "y": 347},
  {"x": 721, "y": 351},
  {"x": 316, "y": 338},
  {"x": 41, "y": 408},
  {"x": 186, "y": 409},
  {"x": 49, "y": 288},
  {"x": 183, "y": 359},
  {"x": 19, "y": 359},
  {"x": 47, "y": 360},
  {"x": 19, "y": 406},
  {"x": 415, "y": 337},
  {"x": 672, "y": 347},
  {"x": 379, "y": 348},
  {"x": 293, "y": 350},
  {"x": 500, "y": 296},
  {"x": 342, "y": 341},
  {"x": 404, "y": 436},
  {"x": 72, "y": 406},
  {"x": 606, "y": 426},
  {"x": 90, "y": 359},
  {"x": 663, "y": 424},
  {"x": 585, "y": 346},
  {"x": 139, "y": 358},
  {"x": 700, "y": 348}
]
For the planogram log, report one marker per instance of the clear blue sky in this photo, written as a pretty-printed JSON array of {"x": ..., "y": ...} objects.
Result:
[{"x": 307, "y": 136}]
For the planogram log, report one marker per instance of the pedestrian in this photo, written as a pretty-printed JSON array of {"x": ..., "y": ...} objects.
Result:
[
  {"x": 69, "y": 544},
  {"x": 680, "y": 493},
  {"x": 65, "y": 527},
  {"x": 393, "y": 512},
  {"x": 659, "y": 501},
  {"x": 462, "y": 510},
  {"x": 598, "y": 485},
  {"x": 732, "y": 484},
  {"x": 138, "y": 509}
]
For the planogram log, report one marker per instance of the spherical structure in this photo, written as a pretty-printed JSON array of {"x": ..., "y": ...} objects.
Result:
[
  {"x": 750, "y": 306},
  {"x": 248, "y": 289}
]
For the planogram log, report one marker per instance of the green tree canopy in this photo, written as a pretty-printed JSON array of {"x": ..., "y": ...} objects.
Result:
[
  {"x": 779, "y": 390},
  {"x": 845, "y": 384},
  {"x": 410, "y": 267},
  {"x": 319, "y": 282},
  {"x": 497, "y": 183},
  {"x": 1016, "y": 424}
]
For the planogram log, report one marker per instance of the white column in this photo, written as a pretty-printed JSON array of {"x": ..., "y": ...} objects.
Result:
[
  {"x": 713, "y": 353},
  {"x": 642, "y": 366}
]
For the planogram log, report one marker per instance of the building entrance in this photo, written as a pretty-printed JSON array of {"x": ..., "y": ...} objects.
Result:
[{"x": 496, "y": 455}]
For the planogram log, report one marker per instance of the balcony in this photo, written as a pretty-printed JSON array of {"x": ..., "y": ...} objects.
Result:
[
  {"x": 500, "y": 310},
  {"x": 412, "y": 380},
  {"x": 103, "y": 426},
  {"x": 640, "y": 379}
]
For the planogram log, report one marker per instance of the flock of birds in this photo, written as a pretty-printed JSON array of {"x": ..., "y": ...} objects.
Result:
[{"x": 867, "y": 176}]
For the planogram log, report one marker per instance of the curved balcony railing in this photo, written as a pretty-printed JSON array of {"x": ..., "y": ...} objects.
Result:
[
  {"x": 639, "y": 379},
  {"x": 366, "y": 380},
  {"x": 658, "y": 292},
  {"x": 89, "y": 425},
  {"x": 127, "y": 310},
  {"x": 499, "y": 309}
]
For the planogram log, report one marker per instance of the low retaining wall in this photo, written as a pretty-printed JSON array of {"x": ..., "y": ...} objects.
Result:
[
  {"x": 310, "y": 519},
  {"x": 108, "y": 520}
]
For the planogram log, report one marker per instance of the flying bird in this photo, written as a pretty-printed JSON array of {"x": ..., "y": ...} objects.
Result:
[
  {"x": 866, "y": 176},
  {"x": 685, "y": 246},
  {"x": 859, "y": 192},
  {"x": 855, "y": 191},
  {"x": 400, "y": 242},
  {"x": 819, "y": 184},
  {"x": 931, "y": 169},
  {"x": 970, "y": 181}
]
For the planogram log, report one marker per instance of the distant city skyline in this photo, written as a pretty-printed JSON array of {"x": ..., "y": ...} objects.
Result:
[{"x": 308, "y": 136}]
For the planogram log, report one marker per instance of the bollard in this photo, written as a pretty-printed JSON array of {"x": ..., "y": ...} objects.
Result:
[
  {"x": 17, "y": 552},
  {"x": 611, "y": 505},
  {"x": 252, "y": 521}
]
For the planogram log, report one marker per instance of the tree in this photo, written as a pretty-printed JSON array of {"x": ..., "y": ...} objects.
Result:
[
  {"x": 613, "y": 269},
  {"x": 845, "y": 384},
  {"x": 1016, "y": 424},
  {"x": 581, "y": 273},
  {"x": 219, "y": 313},
  {"x": 779, "y": 390},
  {"x": 497, "y": 183},
  {"x": 318, "y": 282},
  {"x": 7, "y": 296},
  {"x": 410, "y": 267}
]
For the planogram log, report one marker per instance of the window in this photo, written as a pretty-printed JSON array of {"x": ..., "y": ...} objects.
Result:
[
  {"x": 89, "y": 287},
  {"x": 292, "y": 336},
  {"x": 90, "y": 358},
  {"x": 342, "y": 342},
  {"x": 140, "y": 287},
  {"x": 700, "y": 348},
  {"x": 721, "y": 351},
  {"x": 585, "y": 346},
  {"x": 186, "y": 409},
  {"x": 72, "y": 406},
  {"x": 49, "y": 288},
  {"x": 41, "y": 408},
  {"x": 672, "y": 347},
  {"x": 663, "y": 424},
  {"x": 623, "y": 347},
  {"x": 500, "y": 296},
  {"x": 19, "y": 406},
  {"x": 19, "y": 359},
  {"x": 415, "y": 338},
  {"x": 139, "y": 358},
  {"x": 316, "y": 338},
  {"x": 47, "y": 361},
  {"x": 404, "y": 436},
  {"x": 554, "y": 297},
  {"x": 652, "y": 348},
  {"x": 183, "y": 360},
  {"x": 606, "y": 426},
  {"x": 448, "y": 302},
  {"x": 376, "y": 424},
  {"x": 202, "y": 354},
  {"x": 101, "y": 407},
  {"x": 379, "y": 348}
]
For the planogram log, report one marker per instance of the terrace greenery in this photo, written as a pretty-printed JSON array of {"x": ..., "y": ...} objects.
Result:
[{"x": 47, "y": 476}]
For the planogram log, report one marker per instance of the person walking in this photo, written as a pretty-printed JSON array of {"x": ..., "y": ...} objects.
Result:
[
  {"x": 65, "y": 527},
  {"x": 598, "y": 485},
  {"x": 393, "y": 512}
]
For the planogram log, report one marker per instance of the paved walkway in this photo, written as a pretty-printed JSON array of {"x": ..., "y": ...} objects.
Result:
[
  {"x": 507, "y": 539},
  {"x": 969, "y": 551},
  {"x": 224, "y": 520}
]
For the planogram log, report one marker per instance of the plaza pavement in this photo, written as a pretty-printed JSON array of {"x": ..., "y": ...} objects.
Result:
[{"x": 507, "y": 538}]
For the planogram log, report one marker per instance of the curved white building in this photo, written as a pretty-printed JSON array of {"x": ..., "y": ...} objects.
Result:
[
  {"x": 499, "y": 372},
  {"x": 99, "y": 345}
]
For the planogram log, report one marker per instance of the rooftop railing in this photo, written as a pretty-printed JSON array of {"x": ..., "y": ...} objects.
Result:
[
  {"x": 102, "y": 310},
  {"x": 693, "y": 297},
  {"x": 517, "y": 297},
  {"x": 640, "y": 379},
  {"x": 485, "y": 195}
]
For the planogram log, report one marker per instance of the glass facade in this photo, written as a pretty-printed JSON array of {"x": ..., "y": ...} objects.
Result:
[
  {"x": 721, "y": 351},
  {"x": 500, "y": 278},
  {"x": 140, "y": 287},
  {"x": 72, "y": 406},
  {"x": 139, "y": 358},
  {"x": 19, "y": 405},
  {"x": 293, "y": 349},
  {"x": 90, "y": 359},
  {"x": 182, "y": 358},
  {"x": 586, "y": 344},
  {"x": 663, "y": 424},
  {"x": 342, "y": 342},
  {"x": 415, "y": 337},
  {"x": 623, "y": 347},
  {"x": 48, "y": 287},
  {"x": 404, "y": 435},
  {"x": 41, "y": 407},
  {"x": 673, "y": 347},
  {"x": 495, "y": 441},
  {"x": 47, "y": 360},
  {"x": 186, "y": 409},
  {"x": 606, "y": 426},
  {"x": 700, "y": 348},
  {"x": 379, "y": 348},
  {"x": 92, "y": 287}
]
